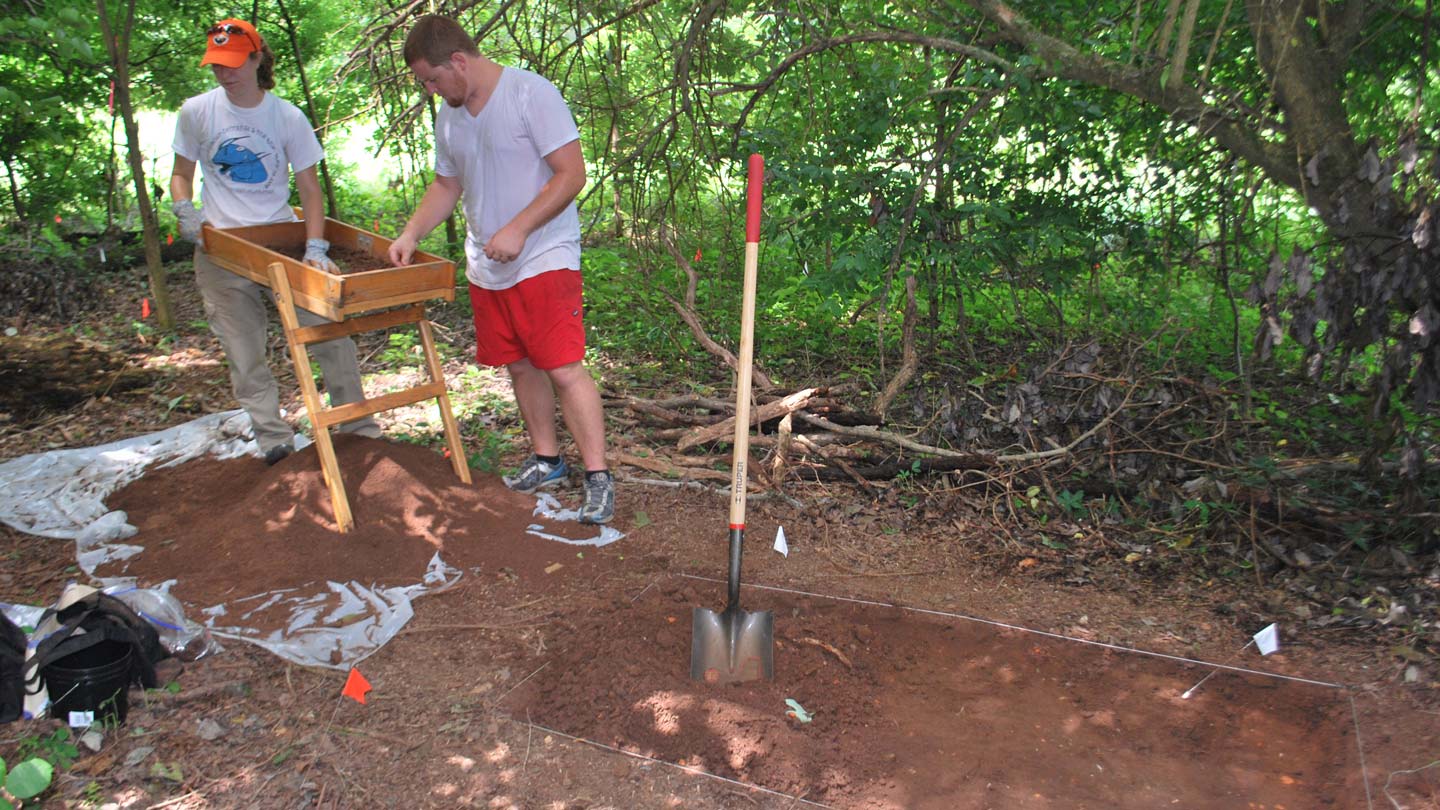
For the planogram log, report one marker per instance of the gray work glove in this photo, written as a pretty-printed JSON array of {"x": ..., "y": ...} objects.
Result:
[
  {"x": 317, "y": 255},
  {"x": 190, "y": 218}
]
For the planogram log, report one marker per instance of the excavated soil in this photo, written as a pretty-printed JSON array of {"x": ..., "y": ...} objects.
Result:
[
  {"x": 909, "y": 709},
  {"x": 348, "y": 260},
  {"x": 238, "y": 527}
]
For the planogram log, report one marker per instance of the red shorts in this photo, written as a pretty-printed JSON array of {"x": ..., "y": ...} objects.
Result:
[{"x": 538, "y": 319}]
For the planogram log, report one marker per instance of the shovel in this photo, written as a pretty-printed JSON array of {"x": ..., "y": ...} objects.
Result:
[{"x": 738, "y": 645}]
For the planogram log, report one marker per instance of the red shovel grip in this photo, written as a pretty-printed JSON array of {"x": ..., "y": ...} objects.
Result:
[{"x": 752, "y": 198}]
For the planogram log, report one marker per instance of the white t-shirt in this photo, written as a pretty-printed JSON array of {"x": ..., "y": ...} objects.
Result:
[
  {"x": 245, "y": 156},
  {"x": 499, "y": 158}
]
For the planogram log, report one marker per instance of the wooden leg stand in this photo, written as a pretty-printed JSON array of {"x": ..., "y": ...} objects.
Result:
[{"x": 298, "y": 337}]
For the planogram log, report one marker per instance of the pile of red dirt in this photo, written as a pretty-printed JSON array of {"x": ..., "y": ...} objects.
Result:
[{"x": 232, "y": 528}]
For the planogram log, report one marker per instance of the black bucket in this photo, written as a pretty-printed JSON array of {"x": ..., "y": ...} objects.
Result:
[{"x": 95, "y": 679}]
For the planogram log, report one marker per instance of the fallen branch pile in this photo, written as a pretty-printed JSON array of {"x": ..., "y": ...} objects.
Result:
[
  {"x": 1071, "y": 432},
  {"x": 813, "y": 434}
]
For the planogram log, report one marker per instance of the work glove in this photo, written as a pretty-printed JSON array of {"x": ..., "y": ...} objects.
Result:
[
  {"x": 317, "y": 255},
  {"x": 190, "y": 218}
]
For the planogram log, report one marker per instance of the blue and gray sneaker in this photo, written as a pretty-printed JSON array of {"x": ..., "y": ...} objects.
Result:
[
  {"x": 599, "y": 505},
  {"x": 536, "y": 474}
]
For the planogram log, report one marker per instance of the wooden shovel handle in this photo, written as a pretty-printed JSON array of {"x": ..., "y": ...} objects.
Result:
[{"x": 747, "y": 343}]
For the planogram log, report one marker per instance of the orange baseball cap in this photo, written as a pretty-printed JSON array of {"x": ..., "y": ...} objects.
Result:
[{"x": 230, "y": 43}]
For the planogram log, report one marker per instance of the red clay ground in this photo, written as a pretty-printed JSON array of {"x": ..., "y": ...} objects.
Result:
[
  {"x": 911, "y": 710},
  {"x": 914, "y": 712}
]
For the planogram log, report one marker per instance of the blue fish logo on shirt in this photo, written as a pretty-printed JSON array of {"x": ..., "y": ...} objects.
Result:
[{"x": 239, "y": 163}]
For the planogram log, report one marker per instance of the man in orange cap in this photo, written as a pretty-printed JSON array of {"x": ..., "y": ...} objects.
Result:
[{"x": 247, "y": 142}]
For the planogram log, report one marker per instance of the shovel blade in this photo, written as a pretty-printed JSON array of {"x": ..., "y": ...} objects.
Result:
[{"x": 732, "y": 646}]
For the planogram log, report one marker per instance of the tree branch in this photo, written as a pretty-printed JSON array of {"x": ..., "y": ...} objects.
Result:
[{"x": 1062, "y": 60}]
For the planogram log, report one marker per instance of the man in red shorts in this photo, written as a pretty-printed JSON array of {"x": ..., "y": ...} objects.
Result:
[{"x": 507, "y": 144}]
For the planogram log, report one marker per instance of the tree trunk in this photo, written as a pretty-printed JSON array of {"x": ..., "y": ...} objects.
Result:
[
  {"x": 614, "y": 147},
  {"x": 119, "y": 48},
  {"x": 1176, "y": 73},
  {"x": 112, "y": 169},
  {"x": 909, "y": 359},
  {"x": 15, "y": 192},
  {"x": 328, "y": 185}
]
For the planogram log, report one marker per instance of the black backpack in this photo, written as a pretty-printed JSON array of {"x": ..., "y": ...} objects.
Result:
[
  {"x": 88, "y": 621},
  {"x": 12, "y": 664}
]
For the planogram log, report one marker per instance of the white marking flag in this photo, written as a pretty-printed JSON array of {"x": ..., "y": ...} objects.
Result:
[
  {"x": 1268, "y": 640},
  {"x": 780, "y": 544}
]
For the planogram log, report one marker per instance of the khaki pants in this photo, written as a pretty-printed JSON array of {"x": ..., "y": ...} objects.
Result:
[{"x": 235, "y": 307}]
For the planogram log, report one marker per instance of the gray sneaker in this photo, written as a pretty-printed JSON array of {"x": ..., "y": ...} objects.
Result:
[
  {"x": 599, "y": 506},
  {"x": 535, "y": 474}
]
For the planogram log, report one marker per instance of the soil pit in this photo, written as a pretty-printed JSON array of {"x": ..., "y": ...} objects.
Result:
[{"x": 914, "y": 711}]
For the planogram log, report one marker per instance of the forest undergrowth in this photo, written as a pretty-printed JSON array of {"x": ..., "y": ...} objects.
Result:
[{"x": 1093, "y": 462}]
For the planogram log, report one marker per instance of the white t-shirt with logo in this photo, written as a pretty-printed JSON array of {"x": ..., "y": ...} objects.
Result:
[
  {"x": 499, "y": 158},
  {"x": 245, "y": 156}
]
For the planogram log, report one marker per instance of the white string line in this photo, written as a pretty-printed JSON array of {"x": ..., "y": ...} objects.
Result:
[
  {"x": 1365, "y": 772},
  {"x": 1188, "y": 692},
  {"x": 675, "y": 765},
  {"x": 994, "y": 623},
  {"x": 1392, "y": 776}
]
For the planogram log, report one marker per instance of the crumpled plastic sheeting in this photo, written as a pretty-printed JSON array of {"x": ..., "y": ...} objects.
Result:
[
  {"x": 61, "y": 494},
  {"x": 547, "y": 506},
  {"x": 337, "y": 624},
  {"x": 22, "y": 615}
]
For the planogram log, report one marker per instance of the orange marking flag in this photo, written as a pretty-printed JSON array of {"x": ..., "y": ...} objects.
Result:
[{"x": 356, "y": 686}]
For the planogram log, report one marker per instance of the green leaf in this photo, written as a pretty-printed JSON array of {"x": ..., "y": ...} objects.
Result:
[
  {"x": 641, "y": 520},
  {"x": 168, "y": 771},
  {"x": 1408, "y": 653},
  {"x": 29, "y": 779}
]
